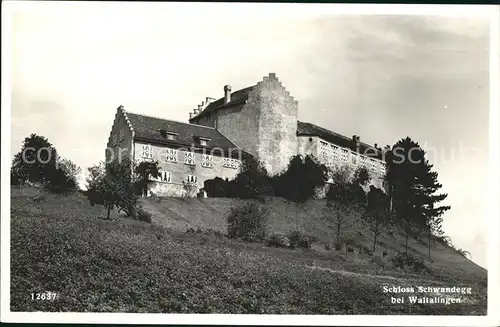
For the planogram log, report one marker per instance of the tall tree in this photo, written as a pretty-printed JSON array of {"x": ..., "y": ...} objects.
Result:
[
  {"x": 341, "y": 199},
  {"x": 412, "y": 188},
  {"x": 378, "y": 212}
]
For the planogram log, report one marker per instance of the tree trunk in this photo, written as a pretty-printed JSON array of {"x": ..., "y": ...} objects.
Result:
[
  {"x": 429, "y": 241},
  {"x": 406, "y": 246},
  {"x": 109, "y": 211},
  {"x": 374, "y": 242},
  {"x": 338, "y": 232}
]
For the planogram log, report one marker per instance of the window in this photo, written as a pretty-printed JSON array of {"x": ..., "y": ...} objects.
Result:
[
  {"x": 171, "y": 155},
  {"x": 323, "y": 149},
  {"x": 147, "y": 151},
  {"x": 121, "y": 135},
  {"x": 335, "y": 152},
  {"x": 383, "y": 168},
  {"x": 207, "y": 161},
  {"x": 192, "y": 179},
  {"x": 114, "y": 140},
  {"x": 344, "y": 156},
  {"x": 230, "y": 163},
  {"x": 171, "y": 136},
  {"x": 373, "y": 165},
  {"x": 166, "y": 176},
  {"x": 203, "y": 142},
  {"x": 189, "y": 158}
]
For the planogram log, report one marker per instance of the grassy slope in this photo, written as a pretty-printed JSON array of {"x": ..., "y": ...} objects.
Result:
[
  {"x": 61, "y": 244},
  {"x": 285, "y": 216}
]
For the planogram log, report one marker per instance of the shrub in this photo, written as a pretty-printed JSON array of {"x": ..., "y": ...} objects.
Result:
[
  {"x": 279, "y": 241},
  {"x": 216, "y": 188},
  {"x": 406, "y": 261},
  {"x": 299, "y": 240},
  {"x": 143, "y": 215},
  {"x": 328, "y": 247},
  {"x": 247, "y": 222}
]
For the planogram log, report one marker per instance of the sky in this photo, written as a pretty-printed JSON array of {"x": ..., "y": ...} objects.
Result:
[{"x": 382, "y": 77}]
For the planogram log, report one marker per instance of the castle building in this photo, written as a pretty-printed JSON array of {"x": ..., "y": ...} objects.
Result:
[{"x": 260, "y": 120}]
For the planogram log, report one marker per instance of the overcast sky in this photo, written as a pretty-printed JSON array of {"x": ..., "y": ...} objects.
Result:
[{"x": 380, "y": 77}]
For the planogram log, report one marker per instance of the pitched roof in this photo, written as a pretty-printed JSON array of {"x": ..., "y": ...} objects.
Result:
[
  {"x": 238, "y": 98},
  {"x": 149, "y": 128},
  {"x": 308, "y": 129}
]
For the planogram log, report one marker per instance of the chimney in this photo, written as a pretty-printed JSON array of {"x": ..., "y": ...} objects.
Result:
[
  {"x": 196, "y": 111},
  {"x": 376, "y": 146},
  {"x": 227, "y": 94},
  {"x": 200, "y": 107},
  {"x": 209, "y": 100},
  {"x": 190, "y": 115}
]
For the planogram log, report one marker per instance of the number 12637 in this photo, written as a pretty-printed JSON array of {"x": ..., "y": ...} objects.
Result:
[{"x": 44, "y": 296}]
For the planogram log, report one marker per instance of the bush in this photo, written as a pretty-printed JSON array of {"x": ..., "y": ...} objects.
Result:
[
  {"x": 407, "y": 262},
  {"x": 299, "y": 240},
  {"x": 143, "y": 215},
  {"x": 216, "y": 188},
  {"x": 279, "y": 241},
  {"x": 247, "y": 222}
]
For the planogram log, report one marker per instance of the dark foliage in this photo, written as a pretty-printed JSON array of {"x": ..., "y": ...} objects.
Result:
[
  {"x": 412, "y": 187},
  {"x": 39, "y": 163},
  {"x": 247, "y": 222},
  {"x": 145, "y": 172},
  {"x": 216, "y": 188},
  {"x": 299, "y": 182}
]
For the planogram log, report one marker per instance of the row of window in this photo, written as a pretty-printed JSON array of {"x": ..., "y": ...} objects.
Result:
[
  {"x": 117, "y": 138},
  {"x": 166, "y": 176},
  {"x": 171, "y": 155},
  {"x": 331, "y": 152}
]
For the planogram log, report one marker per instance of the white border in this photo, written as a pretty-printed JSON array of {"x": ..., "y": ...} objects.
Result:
[{"x": 268, "y": 10}]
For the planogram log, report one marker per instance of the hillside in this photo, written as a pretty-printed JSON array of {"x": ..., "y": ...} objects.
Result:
[
  {"x": 285, "y": 216},
  {"x": 61, "y": 244}
]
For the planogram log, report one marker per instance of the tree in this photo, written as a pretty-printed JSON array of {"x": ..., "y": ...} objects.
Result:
[
  {"x": 341, "y": 199},
  {"x": 361, "y": 176},
  {"x": 144, "y": 172},
  {"x": 378, "y": 212},
  {"x": 251, "y": 181},
  {"x": 412, "y": 188},
  {"x": 35, "y": 162},
  {"x": 111, "y": 185},
  {"x": 63, "y": 177},
  {"x": 299, "y": 182}
]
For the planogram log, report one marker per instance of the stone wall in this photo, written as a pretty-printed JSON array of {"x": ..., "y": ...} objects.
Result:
[
  {"x": 121, "y": 131},
  {"x": 277, "y": 135}
]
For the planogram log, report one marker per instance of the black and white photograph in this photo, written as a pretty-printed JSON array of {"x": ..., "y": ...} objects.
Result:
[{"x": 262, "y": 163}]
